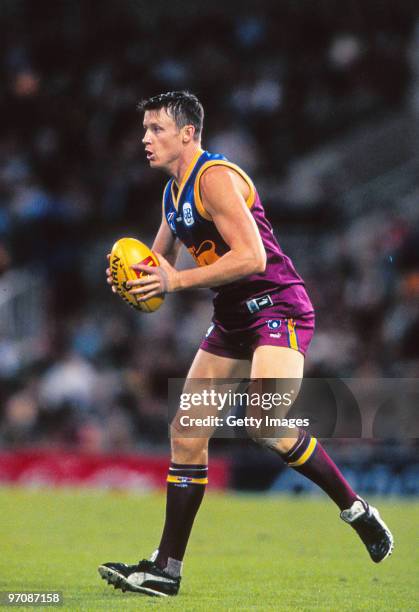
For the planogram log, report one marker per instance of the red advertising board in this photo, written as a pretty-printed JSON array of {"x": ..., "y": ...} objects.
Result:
[{"x": 36, "y": 468}]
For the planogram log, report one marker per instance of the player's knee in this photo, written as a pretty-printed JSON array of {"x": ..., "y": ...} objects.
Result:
[
  {"x": 280, "y": 445},
  {"x": 283, "y": 445},
  {"x": 266, "y": 442},
  {"x": 189, "y": 450}
]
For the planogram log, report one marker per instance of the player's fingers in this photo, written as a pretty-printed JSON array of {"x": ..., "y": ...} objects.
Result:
[
  {"x": 114, "y": 289},
  {"x": 144, "y": 290},
  {"x": 150, "y": 287},
  {"x": 141, "y": 268},
  {"x": 108, "y": 256},
  {"x": 149, "y": 295},
  {"x": 144, "y": 280}
]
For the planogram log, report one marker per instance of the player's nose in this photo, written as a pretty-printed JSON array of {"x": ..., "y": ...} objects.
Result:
[{"x": 146, "y": 138}]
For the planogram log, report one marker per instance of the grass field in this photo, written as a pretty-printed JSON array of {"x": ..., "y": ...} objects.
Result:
[{"x": 246, "y": 553}]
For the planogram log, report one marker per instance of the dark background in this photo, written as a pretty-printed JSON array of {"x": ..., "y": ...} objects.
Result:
[{"x": 318, "y": 101}]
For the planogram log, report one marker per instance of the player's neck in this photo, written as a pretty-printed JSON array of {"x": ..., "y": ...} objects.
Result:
[{"x": 180, "y": 167}]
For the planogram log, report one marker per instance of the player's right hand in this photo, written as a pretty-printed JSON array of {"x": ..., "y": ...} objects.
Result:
[{"x": 109, "y": 275}]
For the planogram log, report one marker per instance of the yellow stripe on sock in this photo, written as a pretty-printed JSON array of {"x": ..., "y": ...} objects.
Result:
[
  {"x": 187, "y": 480},
  {"x": 306, "y": 455}
]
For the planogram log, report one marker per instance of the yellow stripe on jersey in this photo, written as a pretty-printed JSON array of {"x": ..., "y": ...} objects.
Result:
[
  {"x": 187, "y": 480},
  {"x": 219, "y": 162},
  {"x": 189, "y": 169},
  {"x": 162, "y": 200},
  {"x": 292, "y": 335},
  {"x": 306, "y": 455}
]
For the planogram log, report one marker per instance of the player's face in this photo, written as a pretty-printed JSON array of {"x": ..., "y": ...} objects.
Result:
[{"x": 162, "y": 139}]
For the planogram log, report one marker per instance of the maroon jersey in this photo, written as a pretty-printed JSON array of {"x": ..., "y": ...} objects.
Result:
[{"x": 191, "y": 223}]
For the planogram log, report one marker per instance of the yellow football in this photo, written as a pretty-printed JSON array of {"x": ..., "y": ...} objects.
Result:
[{"x": 125, "y": 253}]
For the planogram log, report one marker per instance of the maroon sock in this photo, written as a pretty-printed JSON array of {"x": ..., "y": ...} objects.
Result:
[
  {"x": 185, "y": 490},
  {"x": 308, "y": 457}
]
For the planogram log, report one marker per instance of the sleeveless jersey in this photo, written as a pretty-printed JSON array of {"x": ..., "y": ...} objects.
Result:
[{"x": 193, "y": 226}]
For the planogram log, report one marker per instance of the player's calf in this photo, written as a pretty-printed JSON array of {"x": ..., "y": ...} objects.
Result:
[{"x": 308, "y": 457}]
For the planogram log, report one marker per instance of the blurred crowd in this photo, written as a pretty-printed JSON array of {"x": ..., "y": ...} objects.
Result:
[{"x": 276, "y": 84}]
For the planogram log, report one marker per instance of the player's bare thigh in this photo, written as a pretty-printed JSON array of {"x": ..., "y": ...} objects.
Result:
[
  {"x": 185, "y": 447},
  {"x": 277, "y": 362},
  {"x": 207, "y": 365}
]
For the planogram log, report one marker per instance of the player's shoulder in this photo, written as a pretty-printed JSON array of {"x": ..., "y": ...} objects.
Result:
[
  {"x": 218, "y": 171},
  {"x": 222, "y": 177},
  {"x": 213, "y": 171},
  {"x": 216, "y": 178}
]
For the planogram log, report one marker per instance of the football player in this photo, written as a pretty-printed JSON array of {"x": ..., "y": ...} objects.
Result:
[{"x": 262, "y": 326}]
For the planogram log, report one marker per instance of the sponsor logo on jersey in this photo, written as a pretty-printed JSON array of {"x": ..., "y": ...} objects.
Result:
[
  {"x": 259, "y": 303},
  {"x": 210, "y": 328},
  {"x": 274, "y": 324},
  {"x": 170, "y": 220},
  {"x": 278, "y": 335},
  {"x": 188, "y": 214}
]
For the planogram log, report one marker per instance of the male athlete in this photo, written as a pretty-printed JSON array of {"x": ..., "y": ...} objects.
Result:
[{"x": 263, "y": 323}]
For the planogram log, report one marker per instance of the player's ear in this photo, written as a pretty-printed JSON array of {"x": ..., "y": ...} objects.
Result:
[{"x": 188, "y": 133}]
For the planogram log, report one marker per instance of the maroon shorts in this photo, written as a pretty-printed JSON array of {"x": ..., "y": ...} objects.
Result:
[{"x": 272, "y": 330}]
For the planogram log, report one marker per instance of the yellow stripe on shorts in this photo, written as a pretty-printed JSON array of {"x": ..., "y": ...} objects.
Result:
[{"x": 292, "y": 335}]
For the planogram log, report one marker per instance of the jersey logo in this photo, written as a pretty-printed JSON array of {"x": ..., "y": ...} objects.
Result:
[
  {"x": 274, "y": 324},
  {"x": 187, "y": 214},
  {"x": 209, "y": 330},
  {"x": 205, "y": 254},
  {"x": 170, "y": 221}
]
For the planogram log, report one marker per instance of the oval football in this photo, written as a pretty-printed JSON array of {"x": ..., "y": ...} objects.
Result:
[{"x": 125, "y": 253}]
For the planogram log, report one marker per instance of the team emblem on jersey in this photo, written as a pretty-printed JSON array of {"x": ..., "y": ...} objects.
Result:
[
  {"x": 170, "y": 220},
  {"x": 205, "y": 254},
  {"x": 274, "y": 324},
  {"x": 188, "y": 214}
]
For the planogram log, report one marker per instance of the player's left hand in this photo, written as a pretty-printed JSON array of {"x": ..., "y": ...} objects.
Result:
[{"x": 157, "y": 280}]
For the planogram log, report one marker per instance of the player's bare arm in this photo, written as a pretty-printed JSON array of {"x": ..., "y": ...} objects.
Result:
[
  {"x": 165, "y": 244},
  {"x": 223, "y": 194}
]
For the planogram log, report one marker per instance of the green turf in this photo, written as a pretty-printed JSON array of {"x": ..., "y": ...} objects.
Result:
[{"x": 247, "y": 552}]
